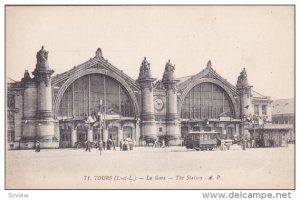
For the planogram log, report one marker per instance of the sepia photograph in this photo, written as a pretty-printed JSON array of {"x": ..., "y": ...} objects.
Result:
[{"x": 150, "y": 97}]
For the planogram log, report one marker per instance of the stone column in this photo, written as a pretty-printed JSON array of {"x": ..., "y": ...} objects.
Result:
[
  {"x": 172, "y": 120},
  {"x": 45, "y": 128},
  {"x": 145, "y": 80}
]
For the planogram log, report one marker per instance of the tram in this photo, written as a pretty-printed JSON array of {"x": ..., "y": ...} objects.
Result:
[{"x": 202, "y": 140}]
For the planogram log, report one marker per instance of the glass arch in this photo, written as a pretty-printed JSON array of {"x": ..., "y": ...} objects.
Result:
[
  {"x": 206, "y": 101},
  {"x": 94, "y": 93}
]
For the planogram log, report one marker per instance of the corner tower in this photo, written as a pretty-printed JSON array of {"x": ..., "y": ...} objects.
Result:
[
  {"x": 244, "y": 91},
  {"x": 146, "y": 80},
  {"x": 46, "y": 127}
]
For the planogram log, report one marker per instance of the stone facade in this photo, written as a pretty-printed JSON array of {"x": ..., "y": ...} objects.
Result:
[{"x": 97, "y": 101}]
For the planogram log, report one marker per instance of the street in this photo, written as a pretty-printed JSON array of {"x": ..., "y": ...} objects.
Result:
[{"x": 147, "y": 167}]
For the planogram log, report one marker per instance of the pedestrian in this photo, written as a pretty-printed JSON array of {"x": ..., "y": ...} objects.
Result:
[
  {"x": 97, "y": 144},
  {"x": 108, "y": 144},
  {"x": 163, "y": 143},
  {"x": 104, "y": 145},
  {"x": 114, "y": 145},
  {"x": 121, "y": 145},
  {"x": 37, "y": 146},
  {"x": 252, "y": 143},
  {"x": 100, "y": 147},
  {"x": 88, "y": 146}
]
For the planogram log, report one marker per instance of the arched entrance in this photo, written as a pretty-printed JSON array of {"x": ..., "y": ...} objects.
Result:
[
  {"x": 184, "y": 131},
  {"x": 65, "y": 136},
  {"x": 97, "y": 132},
  {"x": 113, "y": 133},
  {"x": 82, "y": 132}
]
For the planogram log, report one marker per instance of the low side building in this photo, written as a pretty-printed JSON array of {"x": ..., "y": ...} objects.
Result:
[{"x": 283, "y": 112}]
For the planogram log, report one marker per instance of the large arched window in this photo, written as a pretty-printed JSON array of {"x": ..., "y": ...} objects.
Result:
[
  {"x": 206, "y": 101},
  {"x": 95, "y": 93}
]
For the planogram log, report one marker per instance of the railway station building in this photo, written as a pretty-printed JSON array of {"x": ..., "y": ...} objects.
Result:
[{"x": 97, "y": 101}]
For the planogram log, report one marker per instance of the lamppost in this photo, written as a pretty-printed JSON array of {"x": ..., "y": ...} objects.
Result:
[
  {"x": 100, "y": 115},
  {"x": 243, "y": 131}
]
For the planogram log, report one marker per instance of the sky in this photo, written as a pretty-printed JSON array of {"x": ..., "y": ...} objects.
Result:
[{"x": 258, "y": 38}]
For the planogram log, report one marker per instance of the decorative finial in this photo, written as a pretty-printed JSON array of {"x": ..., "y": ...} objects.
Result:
[
  {"x": 208, "y": 65},
  {"x": 98, "y": 53}
]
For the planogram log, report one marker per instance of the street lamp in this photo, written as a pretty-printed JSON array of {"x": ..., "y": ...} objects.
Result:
[
  {"x": 243, "y": 131},
  {"x": 100, "y": 124}
]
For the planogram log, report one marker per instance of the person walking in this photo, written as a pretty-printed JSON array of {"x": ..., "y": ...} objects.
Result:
[
  {"x": 88, "y": 146},
  {"x": 37, "y": 146},
  {"x": 121, "y": 145},
  {"x": 100, "y": 147},
  {"x": 114, "y": 145},
  {"x": 104, "y": 145}
]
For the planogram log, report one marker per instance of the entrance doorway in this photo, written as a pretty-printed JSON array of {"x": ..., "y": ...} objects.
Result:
[
  {"x": 127, "y": 132},
  {"x": 65, "y": 136},
  {"x": 82, "y": 132},
  {"x": 184, "y": 131},
  {"x": 113, "y": 133}
]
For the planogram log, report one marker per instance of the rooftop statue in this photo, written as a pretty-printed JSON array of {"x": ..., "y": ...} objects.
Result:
[
  {"x": 145, "y": 72},
  {"x": 169, "y": 71},
  {"x": 242, "y": 79},
  {"x": 42, "y": 58},
  {"x": 42, "y": 55},
  {"x": 26, "y": 77}
]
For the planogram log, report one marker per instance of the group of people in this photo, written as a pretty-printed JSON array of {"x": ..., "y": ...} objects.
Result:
[
  {"x": 125, "y": 145},
  {"x": 159, "y": 143},
  {"x": 101, "y": 145}
]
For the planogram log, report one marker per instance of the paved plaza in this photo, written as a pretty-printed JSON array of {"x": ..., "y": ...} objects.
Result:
[{"x": 146, "y": 167}]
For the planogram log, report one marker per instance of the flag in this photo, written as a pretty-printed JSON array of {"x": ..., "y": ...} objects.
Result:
[
  {"x": 94, "y": 117},
  {"x": 249, "y": 117},
  {"x": 90, "y": 119}
]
